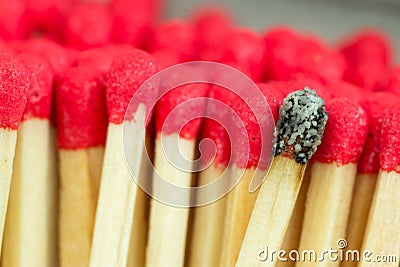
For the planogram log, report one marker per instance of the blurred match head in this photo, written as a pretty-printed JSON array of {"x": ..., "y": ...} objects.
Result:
[
  {"x": 14, "y": 85},
  {"x": 89, "y": 25},
  {"x": 127, "y": 73},
  {"x": 345, "y": 132},
  {"x": 301, "y": 125},
  {"x": 40, "y": 86},
  {"x": 390, "y": 142},
  {"x": 81, "y": 111}
]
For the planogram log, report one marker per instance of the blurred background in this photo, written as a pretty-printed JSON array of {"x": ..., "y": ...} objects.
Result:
[{"x": 330, "y": 19}]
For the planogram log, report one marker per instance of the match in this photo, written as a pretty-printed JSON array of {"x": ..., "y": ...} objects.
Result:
[
  {"x": 169, "y": 224},
  {"x": 82, "y": 128},
  {"x": 333, "y": 173},
  {"x": 117, "y": 195},
  {"x": 14, "y": 89},
  {"x": 299, "y": 131},
  {"x": 384, "y": 220},
  {"x": 30, "y": 236}
]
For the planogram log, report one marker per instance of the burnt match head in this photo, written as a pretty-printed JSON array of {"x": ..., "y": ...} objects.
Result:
[{"x": 301, "y": 125}]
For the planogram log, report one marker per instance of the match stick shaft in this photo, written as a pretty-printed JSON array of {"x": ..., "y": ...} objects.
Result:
[
  {"x": 382, "y": 235},
  {"x": 168, "y": 225},
  {"x": 116, "y": 203},
  {"x": 327, "y": 210},
  {"x": 8, "y": 140},
  {"x": 208, "y": 226},
  {"x": 30, "y": 231},
  {"x": 272, "y": 211},
  {"x": 293, "y": 233},
  {"x": 240, "y": 203},
  {"x": 77, "y": 204},
  {"x": 364, "y": 188}
]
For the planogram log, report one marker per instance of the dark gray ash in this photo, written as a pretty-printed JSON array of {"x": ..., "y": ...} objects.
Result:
[{"x": 301, "y": 125}]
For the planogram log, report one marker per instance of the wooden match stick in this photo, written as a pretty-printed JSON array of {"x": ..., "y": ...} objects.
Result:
[
  {"x": 168, "y": 224},
  {"x": 14, "y": 82},
  {"x": 30, "y": 231},
  {"x": 118, "y": 192},
  {"x": 208, "y": 221},
  {"x": 299, "y": 131},
  {"x": 382, "y": 234},
  {"x": 293, "y": 232},
  {"x": 332, "y": 178},
  {"x": 82, "y": 127},
  {"x": 376, "y": 106},
  {"x": 240, "y": 201}
]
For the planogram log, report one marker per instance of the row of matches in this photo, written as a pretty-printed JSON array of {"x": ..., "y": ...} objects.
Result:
[{"x": 104, "y": 218}]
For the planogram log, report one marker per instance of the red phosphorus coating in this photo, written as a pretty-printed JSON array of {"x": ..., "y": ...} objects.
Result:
[
  {"x": 252, "y": 127},
  {"x": 127, "y": 73},
  {"x": 89, "y": 25},
  {"x": 217, "y": 133},
  {"x": 212, "y": 25},
  {"x": 376, "y": 105},
  {"x": 100, "y": 58},
  {"x": 282, "y": 49},
  {"x": 14, "y": 84},
  {"x": 345, "y": 133},
  {"x": 245, "y": 47},
  {"x": 40, "y": 86},
  {"x": 11, "y": 16},
  {"x": 81, "y": 111},
  {"x": 181, "y": 121},
  {"x": 390, "y": 141},
  {"x": 58, "y": 57},
  {"x": 318, "y": 60},
  {"x": 133, "y": 19},
  {"x": 176, "y": 35},
  {"x": 393, "y": 81},
  {"x": 367, "y": 55},
  {"x": 342, "y": 89}
]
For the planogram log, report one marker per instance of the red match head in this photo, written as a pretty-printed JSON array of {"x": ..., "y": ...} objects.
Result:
[
  {"x": 282, "y": 51},
  {"x": 127, "y": 73},
  {"x": 390, "y": 141},
  {"x": 183, "y": 121},
  {"x": 58, "y": 57},
  {"x": 246, "y": 48},
  {"x": 212, "y": 25},
  {"x": 89, "y": 25},
  {"x": 47, "y": 16},
  {"x": 342, "y": 89},
  {"x": 174, "y": 35},
  {"x": 100, "y": 58},
  {"x": 166, "y": 58},
  {"x": 81, "y": 110},
  {"x": 41, "y": 86},
  {"x": 14, "y": 84},
  {"x": 367, "y": 56},
  {"x": 287, "y": 87},
  {"x": 345, "y": 132},
  {"x": 393, "y": 83},
  {"x": 376, "y": 105},
  {"x": 11, "y": 19},
  {"x": 274, "y": 98},
  {"x": 320, "y": 61},
  {"x": 133, "y": 19}
]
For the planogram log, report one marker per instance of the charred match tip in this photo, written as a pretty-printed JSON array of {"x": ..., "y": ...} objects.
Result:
[{"x": 301, "y": 124}]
